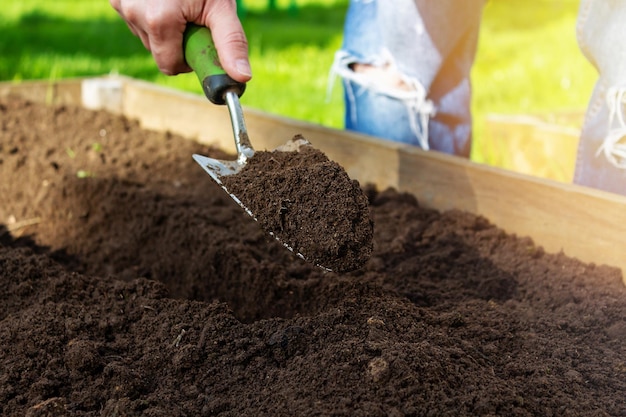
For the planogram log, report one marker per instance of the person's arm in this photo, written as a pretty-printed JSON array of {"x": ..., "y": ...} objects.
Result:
[{"x": 160, "y": 25}]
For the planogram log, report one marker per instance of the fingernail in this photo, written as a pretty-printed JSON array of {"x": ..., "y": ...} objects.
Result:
[{"x": 243, "y": 67}]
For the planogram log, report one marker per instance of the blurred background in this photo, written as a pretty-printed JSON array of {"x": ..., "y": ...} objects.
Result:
[{"x": 531, "y": 83}]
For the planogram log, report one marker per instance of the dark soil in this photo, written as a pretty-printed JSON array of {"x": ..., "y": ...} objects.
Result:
[
  {"x": 131, "y": 284},
  {"x": 309, "y": 203}
]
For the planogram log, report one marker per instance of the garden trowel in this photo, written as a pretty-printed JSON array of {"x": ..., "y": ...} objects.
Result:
[
  {"x": 219, "y": 88},
  {"x": 315, "y": 236}
]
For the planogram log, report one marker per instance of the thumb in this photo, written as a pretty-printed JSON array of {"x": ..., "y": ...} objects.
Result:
[{"x": 231, "y": 43}]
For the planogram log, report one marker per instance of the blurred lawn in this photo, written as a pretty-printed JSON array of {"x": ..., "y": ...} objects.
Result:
[
  {"x": 290, "y": 53},
  {"x": 528, "y": 60}
]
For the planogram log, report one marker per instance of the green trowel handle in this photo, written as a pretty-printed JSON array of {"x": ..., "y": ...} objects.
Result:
[{"x": 201, "y": 55}]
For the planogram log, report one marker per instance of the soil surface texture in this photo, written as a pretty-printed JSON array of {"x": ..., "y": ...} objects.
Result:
[
  {"x": 131, "y": 284},
  {"x": 309, "y": 203}
]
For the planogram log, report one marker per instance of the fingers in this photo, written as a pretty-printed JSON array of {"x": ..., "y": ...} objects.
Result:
[
  {"x": 230, "y": 40},
  {"x": 160, "y": 26},
  {"x": 165, "y": 25}
]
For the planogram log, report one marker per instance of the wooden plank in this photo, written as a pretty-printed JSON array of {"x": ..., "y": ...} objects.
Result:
[
  {"x": 581, "y": 222},
  {"x": 187, "y": 114},
  {"x": 49, "y": 92},
  {"x": 544, "y": 147}
]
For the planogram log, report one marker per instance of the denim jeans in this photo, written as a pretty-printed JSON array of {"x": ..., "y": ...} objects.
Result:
[
  {"x": 601, "y": 157},
  {"x": 431, "y": 45}
]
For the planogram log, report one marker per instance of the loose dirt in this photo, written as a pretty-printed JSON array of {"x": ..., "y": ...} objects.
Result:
[{"x": 131, "y": 284}]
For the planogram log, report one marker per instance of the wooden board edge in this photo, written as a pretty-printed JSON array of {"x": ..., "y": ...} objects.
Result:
[{"x": 578, "y": 221}]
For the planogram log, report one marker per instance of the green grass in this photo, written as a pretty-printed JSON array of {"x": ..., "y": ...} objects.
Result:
[
  {"x": 528, "y": 60},
  {"x": 290, "y": 52}
]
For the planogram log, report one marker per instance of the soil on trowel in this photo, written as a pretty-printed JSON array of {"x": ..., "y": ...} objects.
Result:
[
  {"x": 133, "y": 285},
  {"x": 309, "y": 203}
]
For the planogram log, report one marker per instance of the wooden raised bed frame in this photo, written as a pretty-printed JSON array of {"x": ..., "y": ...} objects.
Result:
[{"x": 584, "y": 223}]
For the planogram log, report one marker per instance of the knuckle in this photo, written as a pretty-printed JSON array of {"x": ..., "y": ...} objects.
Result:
[
  {"x": 237, "y": 39},
  {"x": 157, "y": 17},
  {"x": 129, "y": 13},
  {"x": 153, "y": 21}
]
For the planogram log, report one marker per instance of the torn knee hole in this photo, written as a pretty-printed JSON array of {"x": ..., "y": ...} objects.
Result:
[{"x": 385, "y": 76}]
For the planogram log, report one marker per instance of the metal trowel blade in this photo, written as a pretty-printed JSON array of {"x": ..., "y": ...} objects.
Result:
[{"x": 217, "y": 169}]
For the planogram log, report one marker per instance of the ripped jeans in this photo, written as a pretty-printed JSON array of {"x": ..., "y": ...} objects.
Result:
[{"x": 429, "y": 47}]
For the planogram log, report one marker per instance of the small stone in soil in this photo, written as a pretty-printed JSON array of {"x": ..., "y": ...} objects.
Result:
[{"x": 309, "y": 203}]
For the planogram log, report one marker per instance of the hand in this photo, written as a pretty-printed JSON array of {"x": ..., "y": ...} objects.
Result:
[{"x": 160, "y": 25}]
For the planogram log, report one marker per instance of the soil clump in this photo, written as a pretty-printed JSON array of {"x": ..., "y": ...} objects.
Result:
[{"x": 309, "y": 203}]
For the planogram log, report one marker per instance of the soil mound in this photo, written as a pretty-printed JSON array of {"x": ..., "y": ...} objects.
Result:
[{"x": 131, "y": 284}]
